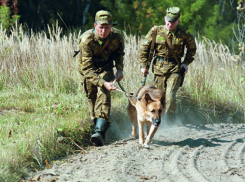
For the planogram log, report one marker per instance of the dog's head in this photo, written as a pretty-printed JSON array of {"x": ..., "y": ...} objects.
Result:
[{"x": 153, "y": 107}]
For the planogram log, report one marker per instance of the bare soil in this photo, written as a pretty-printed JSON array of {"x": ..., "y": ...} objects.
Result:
[{"x": 179, "y": 153}]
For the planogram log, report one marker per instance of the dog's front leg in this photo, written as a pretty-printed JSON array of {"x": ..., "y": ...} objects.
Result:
[
  {"x": 148, "y": 126},
  {"x": 151, "y": 134},
  {"x": 141, "y": 132}
]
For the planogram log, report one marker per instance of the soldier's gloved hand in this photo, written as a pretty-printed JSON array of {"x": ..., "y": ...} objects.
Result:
[
  {"x": 144, "y": 71},
  {"x": 119, "y": 75},
  {"x": 185, "y": 67},
  {"x": 109, "y": 86}
]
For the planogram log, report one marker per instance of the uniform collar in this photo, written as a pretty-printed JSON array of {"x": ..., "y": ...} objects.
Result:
[{"x": 172, "y": 31}]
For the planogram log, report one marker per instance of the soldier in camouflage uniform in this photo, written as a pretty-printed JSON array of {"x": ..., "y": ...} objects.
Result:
[
  {"x": 165, "y": 68},
  {"x": 96, "y": 69}
]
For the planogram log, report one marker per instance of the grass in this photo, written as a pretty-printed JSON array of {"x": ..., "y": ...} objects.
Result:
[
  {"x": 31, "y": 125},
  {"x": 43, "y": 109},
  {"x": 215, "y": 80}
]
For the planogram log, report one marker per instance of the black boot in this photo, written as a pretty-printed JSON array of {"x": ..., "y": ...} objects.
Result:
[{"x": 100, "y": 130}]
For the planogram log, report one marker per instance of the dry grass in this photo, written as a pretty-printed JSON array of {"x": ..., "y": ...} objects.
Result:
[
  {"x": 38, "y": 70},
  {"x": 216, "y": 79}
]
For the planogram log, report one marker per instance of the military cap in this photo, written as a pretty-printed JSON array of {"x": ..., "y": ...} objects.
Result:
[
  {"x": 173, "y": 13},
  {"x": 103, "y": 17}
]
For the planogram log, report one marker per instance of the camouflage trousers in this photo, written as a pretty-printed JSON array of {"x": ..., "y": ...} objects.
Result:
[
  {"x": 99, "y": 98},
  {"x": 169, "y": 84}
]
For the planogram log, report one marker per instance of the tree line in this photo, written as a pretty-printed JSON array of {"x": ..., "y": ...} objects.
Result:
[{"x": 214, "y": 19}]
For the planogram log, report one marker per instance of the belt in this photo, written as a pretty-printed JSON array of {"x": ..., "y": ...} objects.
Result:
[{"x": 166, "y": 59}]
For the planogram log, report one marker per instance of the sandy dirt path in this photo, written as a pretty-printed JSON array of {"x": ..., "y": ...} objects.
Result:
[{"x": 191, "y": 153}]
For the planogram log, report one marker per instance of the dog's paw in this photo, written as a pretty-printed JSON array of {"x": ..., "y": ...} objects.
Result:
[
  {"x": 141, "y": 142},
  {"x": 146, "y": 146}
]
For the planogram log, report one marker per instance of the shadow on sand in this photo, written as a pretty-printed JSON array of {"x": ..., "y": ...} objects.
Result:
[{"x": 192, "y": 142}]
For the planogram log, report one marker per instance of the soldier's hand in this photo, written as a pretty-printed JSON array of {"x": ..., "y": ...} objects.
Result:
[
  {"x": 185, "y": 67},
  {"x": 109, "y": 86},
  {"x": 144, "y": 71},
  {"x": 119, "y": 75}
]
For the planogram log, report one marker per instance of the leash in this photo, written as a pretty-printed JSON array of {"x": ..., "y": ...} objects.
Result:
[
  {"x": 123, "y": 91},
  {"x": 144, "y": 80}
]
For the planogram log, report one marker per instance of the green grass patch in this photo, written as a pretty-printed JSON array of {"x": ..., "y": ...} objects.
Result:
[{"x": 32, "y": 124}]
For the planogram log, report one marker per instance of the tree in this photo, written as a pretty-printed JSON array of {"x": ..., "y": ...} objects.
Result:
[
  {"x": 38, "y": 14},
  {"x": 239, "y": 27},
  {"x": 200, "y": 17},
  {"x": 8, "y": 13},
  {"x": 213, "y": 19}
]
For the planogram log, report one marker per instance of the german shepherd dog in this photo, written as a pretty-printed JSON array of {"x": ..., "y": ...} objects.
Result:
[{"x": 146, "y": 106}]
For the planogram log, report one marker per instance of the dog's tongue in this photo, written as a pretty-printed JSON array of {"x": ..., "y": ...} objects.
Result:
[{"x": 157, "y": 125}]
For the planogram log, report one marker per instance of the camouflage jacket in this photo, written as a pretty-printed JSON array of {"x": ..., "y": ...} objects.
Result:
[
  {"x": 178, "y": 38},
  {"x": 94, "y": 64}
]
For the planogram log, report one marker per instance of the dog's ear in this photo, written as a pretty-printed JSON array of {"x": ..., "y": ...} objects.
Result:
[{"x": 147, "y": 98}]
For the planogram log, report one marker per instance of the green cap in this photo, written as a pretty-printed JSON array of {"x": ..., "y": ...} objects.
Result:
[
  {"x": 173, "y": 13},
  {"x": 103, "y": 17}
]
